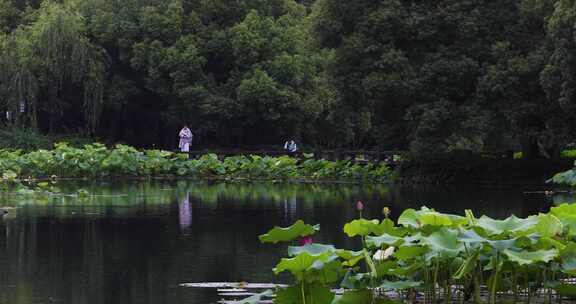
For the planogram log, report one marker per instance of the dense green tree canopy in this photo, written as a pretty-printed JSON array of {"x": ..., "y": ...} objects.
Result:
[{"x": 429, "y": 76}]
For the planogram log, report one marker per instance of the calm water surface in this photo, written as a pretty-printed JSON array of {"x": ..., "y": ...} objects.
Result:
[{"x": 134, "y": 243}]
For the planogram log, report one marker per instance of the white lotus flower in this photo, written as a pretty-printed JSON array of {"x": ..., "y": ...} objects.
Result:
[{"x": 382, "y": 255}]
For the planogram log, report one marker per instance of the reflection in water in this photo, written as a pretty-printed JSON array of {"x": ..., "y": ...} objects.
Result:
[
  {"x": 290, "y": 208},
  {"x": 135, "y": 242},
  {"x": 185, "y": 214}
]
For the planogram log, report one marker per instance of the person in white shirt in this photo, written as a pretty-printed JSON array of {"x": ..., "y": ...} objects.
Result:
[
  {"x": 185, "y": 139},
  {"x": 291, "y": 146}
]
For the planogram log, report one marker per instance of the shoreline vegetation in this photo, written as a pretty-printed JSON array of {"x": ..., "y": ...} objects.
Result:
[{"x": 121, "y": 161}]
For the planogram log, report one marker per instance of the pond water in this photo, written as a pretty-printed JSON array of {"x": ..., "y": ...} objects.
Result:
[{"x": 134, "y": 243}]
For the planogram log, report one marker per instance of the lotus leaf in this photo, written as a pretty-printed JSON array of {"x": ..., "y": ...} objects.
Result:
[
  {"x": 298, "y": 229},
  {"x": 354, "y": 297},
  {"x": 351, "y": 257},
  {"x": 298, "y": 264},
  {"x": 400, "y": 285},
  {"x": 444, "y": 242},
  {"x": 548, "y": 225},
  {"x": 409, "y": 218},
  {"x": 512, "y": 225},
  {"x": 567, "y": 215},
  {"x": 405, "y": 270},
  {"x": 387, "y": 226},
  {"x": 425, "y": 216},
  {"x": 315, "y": 293},
  {"x": 564, "y": 210},
  {"x": 325, "y": 271},
  {"x": 355, "y": 280},
  {"x": 568, "y": 256},
  {"x": 435, "y": 219},
  {"x": 549, "y": 243},
  {"x": 312, "y": 249},
  {"x": 405, "y": 253},
  {"x": 531, "y": 257},
  {"x": 361, "y": 227},
  {"x": 324, "y": 267},
  {"x": 472, "y": 238},
  {"x": 385, "y": 239}
]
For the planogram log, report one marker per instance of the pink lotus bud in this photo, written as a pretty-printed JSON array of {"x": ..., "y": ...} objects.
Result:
[
  {"x": 306, "y": 240},
  {"x": 359, "y": 206}
]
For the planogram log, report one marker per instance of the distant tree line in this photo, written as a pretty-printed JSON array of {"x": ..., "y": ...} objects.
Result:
[{"x": 428, "y": 76}]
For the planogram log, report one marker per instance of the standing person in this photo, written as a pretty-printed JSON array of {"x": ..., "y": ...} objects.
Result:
[
  {"x": 185, "y": 139},
  {"x": 290, "y": 146}
]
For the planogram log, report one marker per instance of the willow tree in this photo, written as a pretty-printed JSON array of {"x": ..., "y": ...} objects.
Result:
[
  {"x": 52, "y": 54},
  {"x": 18, "y": 84}
]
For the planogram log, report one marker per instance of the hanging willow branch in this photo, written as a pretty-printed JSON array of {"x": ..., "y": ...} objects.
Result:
[
  {"x": 56, "y": 49},
  {"x": 17, "y": 82}
]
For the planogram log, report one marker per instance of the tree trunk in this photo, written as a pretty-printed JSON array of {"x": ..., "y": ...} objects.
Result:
[{"x": 530, "y": 149}]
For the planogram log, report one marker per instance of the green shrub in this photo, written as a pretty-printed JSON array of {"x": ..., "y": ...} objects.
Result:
[
  {"x": 23, "y": 138},
  {"x": 28, "y": 139}
]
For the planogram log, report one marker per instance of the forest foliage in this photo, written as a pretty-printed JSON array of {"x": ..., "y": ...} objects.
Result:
[{"x": 429, "y": 76}]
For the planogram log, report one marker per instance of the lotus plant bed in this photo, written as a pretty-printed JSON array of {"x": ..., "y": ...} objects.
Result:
[
  {"x": 99, "y": 161},
  {"x": 431, "y": 257}
]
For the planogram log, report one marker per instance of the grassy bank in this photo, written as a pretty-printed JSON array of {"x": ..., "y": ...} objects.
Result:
[{"x": 98, "y": 161}]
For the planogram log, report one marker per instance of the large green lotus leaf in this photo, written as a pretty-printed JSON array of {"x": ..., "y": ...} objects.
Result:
[
  {"x": 354, "y": 297},
  {"x": 569, "y": 223},
  {"x": 385, "y": 268},
  {"x": 435, "y": 219},
  {"x": 511, "y": 225},
  {"x": 409, "y": 218},
  {"x": 298, "y": 229},
  {"x": 398, "y": 285},
  {"x": 564, "y": 210},
  {"x": 426, "y": 216},
  {"x": 255, "y": 299},
  {"x": 531, "y": 257},
  {"x": 568, "y": 256},
  {"x": 471, "y": 237},
  {"x": 475, "y": 240},
  {"x": 312, "y": 249},
  {"x": 387, "y": 226},
  {"x": 300, "y": 263},
  {"x": 405, "y": 253},
  {"x": 501, "y": 245},
  {"x": 325, "y": 267},
  {"x": 548, "y": 225},
  {"x": 385, "y": 239},
  {"x": 444, "y": 242},
  {"x": 549, "y": 243},
  {"x": 362, "y": 227},
  {"x": 406, "y": 271},
  {"x": 567, "y": 215},
  {"x": 351, "y": 257},
  {"x": 314, "y": 294},
  {"x": 354, "y": 280},
  {"x": 325, "y": 271}
]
